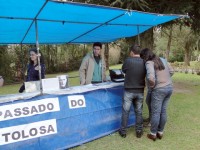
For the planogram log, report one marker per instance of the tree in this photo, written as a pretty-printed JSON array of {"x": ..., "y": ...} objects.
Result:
[
  {"x": 106, "y": 53},
  {"x": 183, "y": 43},
  {"x": 190, "y": 7},
  {"x": 191, "y": 43}
]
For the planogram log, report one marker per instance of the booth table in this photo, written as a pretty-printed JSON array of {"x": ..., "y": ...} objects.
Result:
[{"x": 60, "y": 119}]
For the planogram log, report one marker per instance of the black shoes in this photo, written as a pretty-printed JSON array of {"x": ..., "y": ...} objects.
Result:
[
  {"x": 139, "y": 134},
  {"x": 159, "y": 136},
  {"x": 122, "y": 134},
  {"x": 151, "y": 136}
]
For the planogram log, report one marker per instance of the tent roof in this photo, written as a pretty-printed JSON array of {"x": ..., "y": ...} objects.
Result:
[{"x": 67, "y": 22}]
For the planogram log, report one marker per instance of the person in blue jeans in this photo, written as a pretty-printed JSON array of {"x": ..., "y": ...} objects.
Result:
[
  {"x": 158, "y": 76},
  {"x": 134, "y": 84},
  {"x": 148, "y": 102}
]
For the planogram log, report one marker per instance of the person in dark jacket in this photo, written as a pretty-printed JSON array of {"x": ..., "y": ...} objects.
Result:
[
  {"x": 33, "y": 68},
  {"x": 134, "y": 85}
]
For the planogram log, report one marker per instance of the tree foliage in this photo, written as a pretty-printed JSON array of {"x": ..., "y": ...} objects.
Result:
[
  {"x": 61, "y": 58},
  {"x": 184, "y": 44}
]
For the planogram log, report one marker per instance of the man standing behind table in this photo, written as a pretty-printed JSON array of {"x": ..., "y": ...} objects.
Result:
[
  {"x": 93, "y": 67},
  {"x": 134, "y": 84}
]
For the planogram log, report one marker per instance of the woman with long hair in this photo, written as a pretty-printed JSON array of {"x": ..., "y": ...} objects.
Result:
[
  {"x": 33, "y": 68},
  {"x": 159, "y": 81}
]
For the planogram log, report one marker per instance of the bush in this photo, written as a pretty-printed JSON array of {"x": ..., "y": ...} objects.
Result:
[
  {"x": 114, "y": 55},
  {"x": 176, "y": 64}
]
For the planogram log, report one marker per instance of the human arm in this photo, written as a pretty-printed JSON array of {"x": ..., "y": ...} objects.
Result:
[
  {"x": 169, "y": 67},
  {"x": 82, "y": 71},
  {"x": 124, "y": 66},
  {"x": 171, "y": 70},
  {"x": 150, "y": 75}
]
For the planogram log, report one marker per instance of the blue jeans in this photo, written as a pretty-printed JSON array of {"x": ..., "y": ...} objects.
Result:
[
  {"x": 148, "y": 101},
  {"x": 159, "y": 101},
  {"x": 137, "y": 100}
]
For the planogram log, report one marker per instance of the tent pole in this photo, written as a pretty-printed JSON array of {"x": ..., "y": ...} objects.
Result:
[
  {"x": 38, "y": 50},
  {"x": 138, "y": 35}
]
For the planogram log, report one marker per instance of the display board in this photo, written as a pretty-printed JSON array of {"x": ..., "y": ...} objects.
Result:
[{"x": 61, "y": 121}]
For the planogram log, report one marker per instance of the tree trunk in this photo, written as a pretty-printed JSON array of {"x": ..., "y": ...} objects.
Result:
[
  {"x": 146, "y": 39},
  {"x": 48, "y": 58},
  {"x": 187, "y": 57},
  {"x": 106, "y": 53},
  {"x": 84, "y": 50},
  {"x": 169, "y": 42},
  {"x": 56, "y": 59}
]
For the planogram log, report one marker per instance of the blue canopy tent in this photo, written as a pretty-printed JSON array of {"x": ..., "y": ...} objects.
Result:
[
  {"x": 54, "y": 22},
  {"x": 67, "y": 22}
]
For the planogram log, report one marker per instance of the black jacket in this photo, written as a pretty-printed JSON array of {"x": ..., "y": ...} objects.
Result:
[{"x": 135, "y": 72}]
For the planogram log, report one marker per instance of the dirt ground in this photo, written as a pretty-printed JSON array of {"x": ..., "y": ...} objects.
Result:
[{"x": 183, "y": 88}]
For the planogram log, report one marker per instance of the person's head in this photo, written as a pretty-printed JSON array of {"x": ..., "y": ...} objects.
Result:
[
  {"x": 97, "y": 46},
  {"x": 34, "y": 56},
  {"x": 148, "y": 55},
  {"x": 134, "y": 50}
]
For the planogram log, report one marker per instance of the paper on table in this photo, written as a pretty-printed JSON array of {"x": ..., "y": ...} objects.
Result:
[
  {"x": 118, "y": 72},
  {"x": 50, "y": 84},
  {"x": 32, "y": 86}
]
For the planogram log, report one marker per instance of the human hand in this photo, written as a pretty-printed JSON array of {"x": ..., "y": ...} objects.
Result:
[{"x": 38, "y": 67}]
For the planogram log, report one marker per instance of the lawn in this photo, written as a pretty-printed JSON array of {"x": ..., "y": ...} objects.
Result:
[{"x": 181, "y": 132}]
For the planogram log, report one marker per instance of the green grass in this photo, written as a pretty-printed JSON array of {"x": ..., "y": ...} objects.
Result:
[
  {"x": 182, "y": 131},
  {"x": 193, "y": 63}
]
